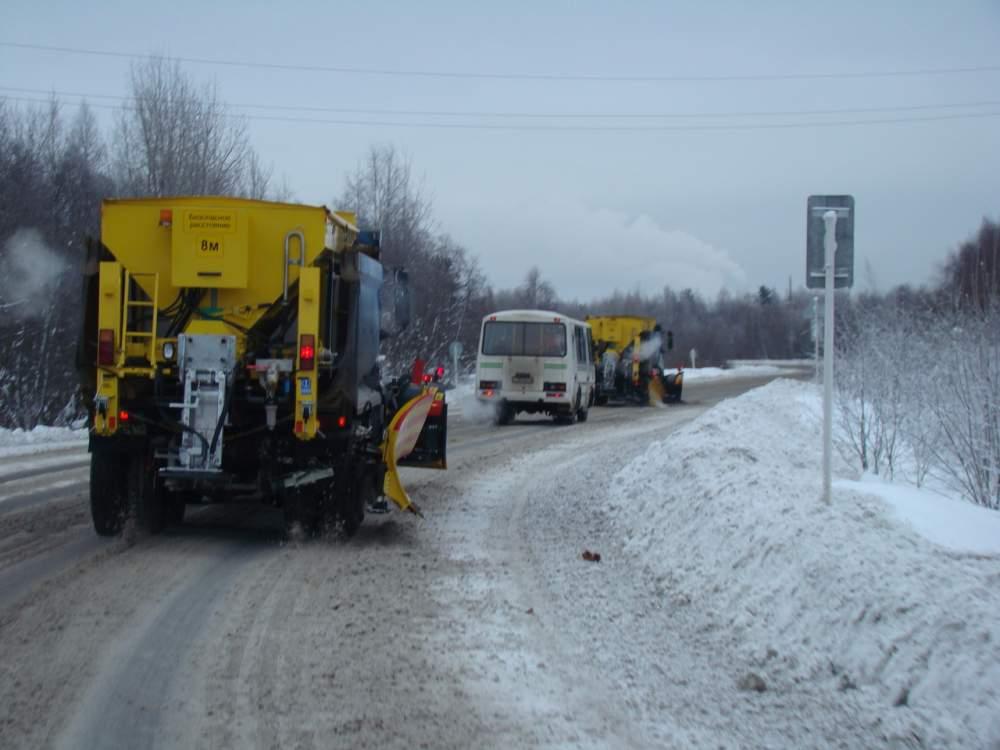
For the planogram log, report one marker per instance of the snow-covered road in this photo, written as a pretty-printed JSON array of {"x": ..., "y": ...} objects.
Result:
[{"x": 479, "y": 626}]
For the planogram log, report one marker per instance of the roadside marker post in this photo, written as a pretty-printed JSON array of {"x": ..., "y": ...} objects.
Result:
[{"x": 829, "y": 217}]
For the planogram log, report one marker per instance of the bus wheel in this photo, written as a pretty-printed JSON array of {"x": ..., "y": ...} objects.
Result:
[
  {"x": 570, "y": 416},
  {"x": 582, "y": 411},
  {"x": 504, "y": 413}
]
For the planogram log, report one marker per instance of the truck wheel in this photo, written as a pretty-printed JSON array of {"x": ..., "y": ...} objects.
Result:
[
  {"x": 582, "y": 412},
  {"x": 176, "y": 505},
  {"x": 147, "y": 497},
  {"x": 362, "y": 492},
  {"x": 303, "y": 508},
  {"x": 108, "y": 491}
]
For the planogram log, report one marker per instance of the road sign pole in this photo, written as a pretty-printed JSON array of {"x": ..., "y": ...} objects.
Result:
[
  {"x": 816, "y": 338},
  {"x": 830, "y": 251}
]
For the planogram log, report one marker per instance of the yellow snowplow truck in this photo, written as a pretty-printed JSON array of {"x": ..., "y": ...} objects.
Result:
[
  {"x": 232, "y": 350},
  {"x": 628, "y": 356}
]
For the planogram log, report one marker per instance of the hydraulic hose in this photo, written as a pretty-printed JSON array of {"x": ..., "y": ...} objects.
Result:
[
  {"x": 171, "y": 423},
  {"x": 222, "y": 418}
]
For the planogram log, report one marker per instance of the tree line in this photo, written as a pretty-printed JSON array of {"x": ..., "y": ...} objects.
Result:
[{"x": 175, "y": 136}]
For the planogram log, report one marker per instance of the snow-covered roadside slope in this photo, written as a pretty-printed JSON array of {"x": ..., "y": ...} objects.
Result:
[
  {"x": 41, "y": 439},
  {"x": 846, "y": 597},
  {"x": 718, "y": 373}
]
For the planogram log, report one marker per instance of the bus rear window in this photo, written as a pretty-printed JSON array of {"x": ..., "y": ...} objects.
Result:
[{"x": 509, "y": 338}]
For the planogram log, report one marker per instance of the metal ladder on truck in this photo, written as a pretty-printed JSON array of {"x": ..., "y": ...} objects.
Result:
[{"x": 147, "y": 337}]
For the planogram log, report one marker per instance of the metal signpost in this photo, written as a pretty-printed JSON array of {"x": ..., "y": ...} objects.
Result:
[{"x": 830, "y": 265}]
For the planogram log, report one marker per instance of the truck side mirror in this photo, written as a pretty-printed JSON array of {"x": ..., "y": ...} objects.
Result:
[
  {"x": 401, "y": 299},
  {"x": 670, "y": 340}
]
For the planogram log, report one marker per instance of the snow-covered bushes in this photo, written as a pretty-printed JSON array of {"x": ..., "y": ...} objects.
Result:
[{"x": 922, "y": 392}]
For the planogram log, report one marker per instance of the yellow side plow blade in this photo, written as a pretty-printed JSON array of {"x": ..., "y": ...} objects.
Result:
[{"x": 404, "y": 430}]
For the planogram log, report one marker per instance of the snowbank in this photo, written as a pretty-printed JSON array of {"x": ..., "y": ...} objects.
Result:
[
  {"x": 715, "y": 373},
  {"x": 39, "y": 440},
  {"x": 947, "y": 521},
  {"x": 847, "y": 597}
]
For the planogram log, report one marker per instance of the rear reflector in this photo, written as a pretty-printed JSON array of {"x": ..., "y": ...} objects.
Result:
[
  {"x": 487, "y": 385},
  {"x": 554, "y": 387},
  {"x": 106, "y": 347}
]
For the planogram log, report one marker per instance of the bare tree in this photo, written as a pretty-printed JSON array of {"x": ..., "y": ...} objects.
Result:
[
  {"x": 51, "y": 185},
  {"x": 179, "y": 138},
  {"x": 385, "y": 195}
]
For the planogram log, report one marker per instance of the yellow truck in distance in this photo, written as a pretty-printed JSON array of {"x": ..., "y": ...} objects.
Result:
[{"x": 628, "y": 356}]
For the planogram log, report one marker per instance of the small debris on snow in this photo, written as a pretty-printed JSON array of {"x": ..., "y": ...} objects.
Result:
[
  {"x": 752, "y": 681},
  {"x": 591, "y": 556}
]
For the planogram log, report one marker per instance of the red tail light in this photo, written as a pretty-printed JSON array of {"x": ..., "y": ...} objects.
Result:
[
  {"x": 341, "y": 421},
  {"x": 123, "y": 416},
  {"x": 307, "y": 351},
  {"x": 440, "y": 373},
  {"x": 106, "y": 347}
]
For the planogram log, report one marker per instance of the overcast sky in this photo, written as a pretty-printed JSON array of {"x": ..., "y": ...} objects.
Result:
[{"x": 698, "y": 203}]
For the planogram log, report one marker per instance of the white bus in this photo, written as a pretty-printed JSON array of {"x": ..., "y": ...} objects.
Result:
[{"x": 536, "y": 362}]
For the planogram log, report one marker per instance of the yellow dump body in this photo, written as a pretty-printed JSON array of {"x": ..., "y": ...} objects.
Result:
[
  {"x": 231, "y": 246},
  {"x": 241, "y": 255},
  {"x": 619, "y": 330}
]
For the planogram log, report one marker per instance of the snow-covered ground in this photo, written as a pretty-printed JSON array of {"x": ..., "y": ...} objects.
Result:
[
  {"x": 717, "y": 373},
  {"x": 887, "y": 598},
  {"x": 41, "y": 439},
  {"x": 462, "y": 401}
]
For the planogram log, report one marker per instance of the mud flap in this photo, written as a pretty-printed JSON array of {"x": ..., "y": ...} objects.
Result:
[
  {"x": 411, "y": 426},
  {"x": 657, "y": 394}
]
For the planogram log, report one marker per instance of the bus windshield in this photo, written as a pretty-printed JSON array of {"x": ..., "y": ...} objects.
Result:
[{"x": 510, "y": 338}]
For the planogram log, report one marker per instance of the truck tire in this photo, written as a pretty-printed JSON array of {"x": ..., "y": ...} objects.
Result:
[
  {"x": 303, "y": 508},
  {"x": 108, "y": 491},
  {"x": 147, "y": 497},
  {"x": 583, "y": 411},
  {"x": 362, "y": 492},
  {"x": 176, "y": 506}
]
